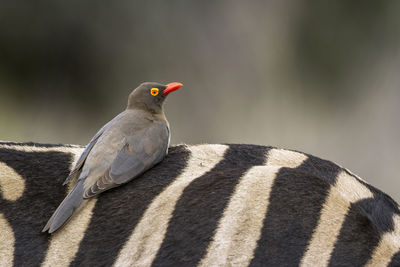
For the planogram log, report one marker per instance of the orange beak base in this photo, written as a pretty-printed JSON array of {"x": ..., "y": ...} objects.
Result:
[{"x": 172, "y": 87}]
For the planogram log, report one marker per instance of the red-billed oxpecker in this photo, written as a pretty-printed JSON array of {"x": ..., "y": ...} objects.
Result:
[{"x": 131, "y": 143}]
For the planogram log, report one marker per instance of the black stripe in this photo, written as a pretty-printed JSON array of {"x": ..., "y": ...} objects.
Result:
[
  {"x": 201, "y": 206},
  {"x": 395, "y": 262},
  {"x": 296, "y": 201},
  {"x": 357, "y": 239},
  {"x": 381, "y": 209},
  {"x": 294, "y": 209},
  {"x": 118, "y": 210},
  {"x": 375, "y": 217},
  {"x": 43, "y": 173},
  {"x": 324, "y": 169}
]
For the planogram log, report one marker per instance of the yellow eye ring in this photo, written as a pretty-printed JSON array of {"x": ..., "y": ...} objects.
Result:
[{"x": 154, "y": 91}]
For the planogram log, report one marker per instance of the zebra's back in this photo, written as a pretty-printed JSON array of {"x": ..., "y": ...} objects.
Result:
[{"x": 204, "y": 205}]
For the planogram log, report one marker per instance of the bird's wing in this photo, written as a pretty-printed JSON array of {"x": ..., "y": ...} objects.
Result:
[
  {"x": 141, "y": 151},
  {"x": 85, "y": 153}
]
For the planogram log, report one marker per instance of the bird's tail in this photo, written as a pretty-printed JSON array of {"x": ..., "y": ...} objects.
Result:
[{"x": 64, "y": 212}]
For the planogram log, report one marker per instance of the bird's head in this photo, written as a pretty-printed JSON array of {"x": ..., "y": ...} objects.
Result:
[{"x": 150, "y": 96}]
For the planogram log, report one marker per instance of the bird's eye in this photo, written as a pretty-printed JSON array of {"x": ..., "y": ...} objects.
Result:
[{"x": 154, "y": 91}]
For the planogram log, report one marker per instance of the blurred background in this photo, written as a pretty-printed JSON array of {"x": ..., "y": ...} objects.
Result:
[{"x": 316, "y": 76}]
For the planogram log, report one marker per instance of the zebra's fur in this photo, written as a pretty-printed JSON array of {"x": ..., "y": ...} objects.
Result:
[{"x": 204, "y": 205}]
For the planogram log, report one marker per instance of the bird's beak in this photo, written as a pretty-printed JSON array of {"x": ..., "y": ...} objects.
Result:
[{"x": 172, "y": 87}]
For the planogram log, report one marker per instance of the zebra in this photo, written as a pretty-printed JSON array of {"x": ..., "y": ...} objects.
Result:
[{"x": 203, "y": 205}]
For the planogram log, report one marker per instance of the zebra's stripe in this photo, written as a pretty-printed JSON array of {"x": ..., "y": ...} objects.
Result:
[
  {"x": 388, "y": 246},
  {"x": 146, "y": 239},
  {"x": 323, "y": 240},
  {"x": 357, "y": 239},
  {"x": 350, "y": 188},
  {"x": 231, "y": 246},
  {"x": 353, "y": 246},
  {"x": 7, "y": 242},
  {"x": 346, "y": 190},
  {"x": 290, "y": 219},
  {"x": 246, "y": 210},
  {"x": 285, "y": 158},
  {"x": 8, "y": 144},
  {"x": 12, "y": 185},
  {"x": 35, "y": 147},
  {"x": 61, "y": 250},
  {"x": 395, "y": 261},
  {"x": 195, "y": 219}
]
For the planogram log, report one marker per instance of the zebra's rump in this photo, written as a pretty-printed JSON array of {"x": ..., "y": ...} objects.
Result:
[{"x": 203, "y": 205}]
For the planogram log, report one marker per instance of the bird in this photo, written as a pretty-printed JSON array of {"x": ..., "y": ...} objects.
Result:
[{"x": 124, "y": 148}]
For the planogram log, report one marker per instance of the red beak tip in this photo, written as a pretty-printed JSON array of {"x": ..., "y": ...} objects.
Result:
[{"x": 172, "y": 87}]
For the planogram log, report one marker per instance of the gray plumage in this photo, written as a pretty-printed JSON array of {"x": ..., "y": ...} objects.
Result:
[{"x": 131, "y": 143}]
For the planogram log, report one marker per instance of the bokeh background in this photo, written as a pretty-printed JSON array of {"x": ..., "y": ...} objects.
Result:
[{"x": 321, "y": 77}]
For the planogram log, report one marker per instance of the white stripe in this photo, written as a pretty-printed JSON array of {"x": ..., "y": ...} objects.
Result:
[
  {"x": 347, "y": 190},
  {"x": 325, "y": 235},
  {"x": 12, "y": 185},
  {"x": 240, "y": 226},
  {"x": 65, "y": 242},
  {"x": 350, "y": 188},
  {"x": 7, "y": 242},
  {"x": 33, "y": 148},
  {"x": 387, "y": 247},
  {"x": 285, "y": 158},
  {"x": 146, "y": 239}
]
